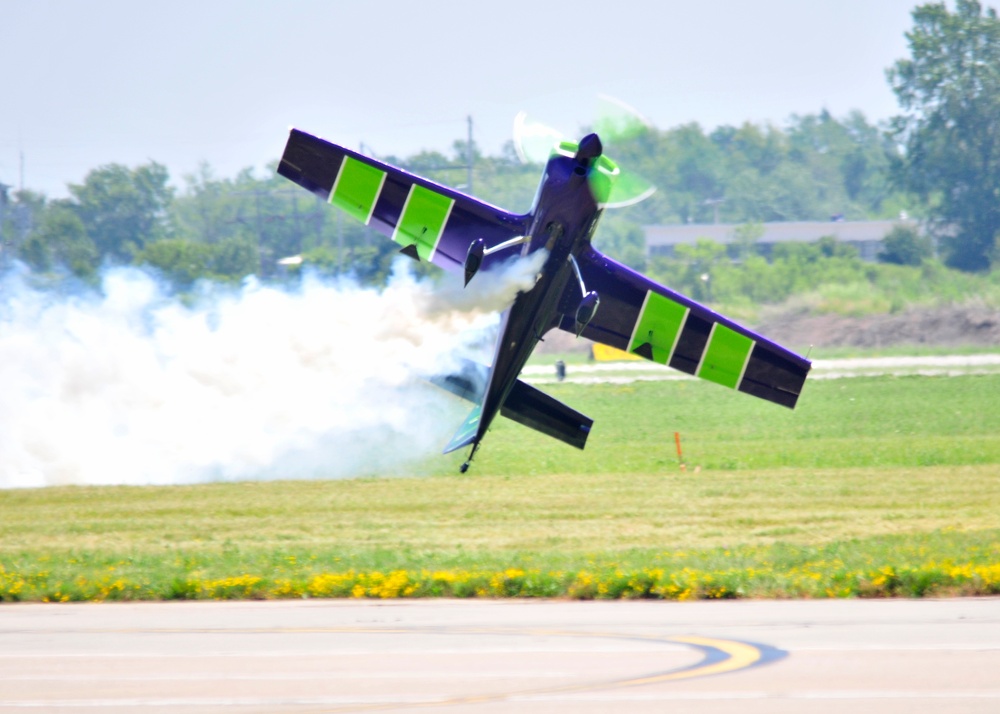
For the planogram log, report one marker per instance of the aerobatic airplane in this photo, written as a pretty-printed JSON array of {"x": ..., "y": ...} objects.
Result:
[{"x": 578, "y": 290}]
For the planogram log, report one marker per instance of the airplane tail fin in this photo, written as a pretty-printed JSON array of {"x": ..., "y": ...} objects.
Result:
[
  {"x": 525, "y": 404},
  {"x": 466, "y": 433}
]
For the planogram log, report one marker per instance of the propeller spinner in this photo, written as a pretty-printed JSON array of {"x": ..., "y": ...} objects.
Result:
[{"x": 535, "y": 142}]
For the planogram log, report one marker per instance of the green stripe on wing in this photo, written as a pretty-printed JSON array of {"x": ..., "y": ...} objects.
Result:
[
  {"x": 422, "y": 222},
  {"x": 357, "y": 188},
  {"x": 658, "y": 327},
  {"x": 725, "y": 357}
]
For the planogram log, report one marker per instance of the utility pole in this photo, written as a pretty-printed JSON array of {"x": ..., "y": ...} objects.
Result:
[{"x": 714, "y": 203}]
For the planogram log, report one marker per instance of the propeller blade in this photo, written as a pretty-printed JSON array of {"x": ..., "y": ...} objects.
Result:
[
  {"x": 618, "y": 121},
  {"x": 629, "y": 189},
  {"x": 534, "y": 142}
]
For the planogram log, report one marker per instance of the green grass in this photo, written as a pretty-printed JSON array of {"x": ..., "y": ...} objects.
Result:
[
  {"x": 858, "y": 422},
  {"x": 874, "y": 486}
]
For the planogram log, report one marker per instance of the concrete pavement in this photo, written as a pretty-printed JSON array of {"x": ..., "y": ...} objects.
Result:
[{"x": 499, "y": 656}]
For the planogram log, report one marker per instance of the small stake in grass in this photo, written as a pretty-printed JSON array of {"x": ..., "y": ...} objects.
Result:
[{"x": 680, "y": 456}]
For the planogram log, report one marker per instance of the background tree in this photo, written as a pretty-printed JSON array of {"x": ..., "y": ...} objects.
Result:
[
  {"x": 905, "y": 245},
  {"x": 123, "y": 209},
  {"x": 622, "y": 239},
  {"x": 60, "y": 240},
  {"x": 17, "y": 221},
  {"x": 745, "y": 239},
  {"x": 950, "y": 91},
  {"x": 226, "y": 228}
]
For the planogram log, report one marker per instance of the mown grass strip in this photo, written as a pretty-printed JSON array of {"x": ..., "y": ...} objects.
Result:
[
  {"x": 875, "y": 486},
  {"x": 943, "y": 563},
  {"x": 563, "y": 517}
]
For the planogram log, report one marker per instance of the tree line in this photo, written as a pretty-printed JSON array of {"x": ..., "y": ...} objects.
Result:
[
  {"x": 938, "y": 160},
  {"x": 227, "y": 228}
]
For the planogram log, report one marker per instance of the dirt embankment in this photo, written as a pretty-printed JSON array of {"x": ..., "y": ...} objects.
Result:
[{"x": 946, "y": 326}]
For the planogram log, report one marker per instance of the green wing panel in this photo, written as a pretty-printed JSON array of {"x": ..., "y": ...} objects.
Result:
[
  {"x": 422, "y": 222},
  {"x": 725, "y": 357},
  {"x": 357, "y": 188},
  {"x": 658, "y": 327}
]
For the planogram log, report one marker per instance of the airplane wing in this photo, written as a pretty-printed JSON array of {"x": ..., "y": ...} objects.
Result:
[
  {"x": 638, "y": 315},
  {"x": 431, "y": 222}
]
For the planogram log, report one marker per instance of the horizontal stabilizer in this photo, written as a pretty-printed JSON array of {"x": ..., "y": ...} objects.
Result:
[
  {"x": 525, "y": 405},
  {"x": 537, "y": 410}
]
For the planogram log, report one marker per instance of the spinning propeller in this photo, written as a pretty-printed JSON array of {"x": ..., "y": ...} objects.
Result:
[{"x": 617, "y": 122}]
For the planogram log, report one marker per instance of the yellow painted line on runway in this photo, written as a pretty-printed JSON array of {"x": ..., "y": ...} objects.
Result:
[
  {"x": 741, "y": 655},
  {"x": 719, "y": 657}
]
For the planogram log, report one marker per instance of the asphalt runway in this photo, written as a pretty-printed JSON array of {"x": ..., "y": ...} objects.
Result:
[{"x": 751, "y": 657}]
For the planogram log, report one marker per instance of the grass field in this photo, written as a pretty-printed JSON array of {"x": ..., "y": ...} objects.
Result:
[{"x": 874, "y": 486}]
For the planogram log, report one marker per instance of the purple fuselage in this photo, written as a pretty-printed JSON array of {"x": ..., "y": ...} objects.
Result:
[{"x": 564, "y": 217}]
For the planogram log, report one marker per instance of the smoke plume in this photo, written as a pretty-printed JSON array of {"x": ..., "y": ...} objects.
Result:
[{"x": 132, "y": 385}]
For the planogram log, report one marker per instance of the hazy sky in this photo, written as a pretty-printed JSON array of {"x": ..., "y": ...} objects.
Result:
[{"x": 181, "y": 82}]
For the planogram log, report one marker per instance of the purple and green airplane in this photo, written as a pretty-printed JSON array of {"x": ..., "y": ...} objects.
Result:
[{"x": 578, "y": 290}]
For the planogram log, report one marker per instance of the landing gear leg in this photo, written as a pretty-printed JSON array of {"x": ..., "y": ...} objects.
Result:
[{"x": 468, "y": 462}]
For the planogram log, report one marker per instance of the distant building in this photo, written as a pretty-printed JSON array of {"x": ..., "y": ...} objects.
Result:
[{"x": 866, "y": 236}]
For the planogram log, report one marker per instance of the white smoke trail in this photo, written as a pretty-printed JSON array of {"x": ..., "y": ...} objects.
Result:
[{"x": 131, "y": 386}]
